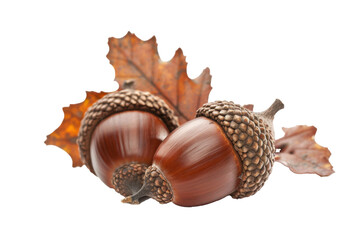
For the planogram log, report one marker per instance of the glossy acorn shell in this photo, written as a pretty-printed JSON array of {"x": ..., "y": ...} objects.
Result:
[
  {"x": 199, "y": 163},
  {"x": 226, "y": 150},
  {"x": 123, "y": 138},
  {"x": 119, "y": 135}
]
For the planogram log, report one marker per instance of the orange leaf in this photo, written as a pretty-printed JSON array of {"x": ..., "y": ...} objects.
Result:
[
  {"x": 66, "y": 134},
  {"x": 135, "y": 59},
  {"x": 300, "y": 152}
]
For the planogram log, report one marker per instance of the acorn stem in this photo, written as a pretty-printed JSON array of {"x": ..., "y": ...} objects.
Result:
[
  {"x": 155, "y": 186},
  {"x": 143, "y": 194},
  {"x": 273, "y": 109},
  {"x": 129, "y": 84}
]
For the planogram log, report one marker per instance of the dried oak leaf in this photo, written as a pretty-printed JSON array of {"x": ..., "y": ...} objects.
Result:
[
  {"x": 66, "y": 134},
  {"x": 249, "y": 107},
  {"x": 300, "y": 152},
  {"x": 139, "y": 60}
]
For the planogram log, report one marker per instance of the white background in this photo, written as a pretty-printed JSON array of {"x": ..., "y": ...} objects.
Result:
[{"x": 307, "y": 53}]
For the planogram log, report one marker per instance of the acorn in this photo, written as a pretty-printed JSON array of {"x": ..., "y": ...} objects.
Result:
[
  {"x": 119, "y": 135},
  {"x": 226, "y": 150}
]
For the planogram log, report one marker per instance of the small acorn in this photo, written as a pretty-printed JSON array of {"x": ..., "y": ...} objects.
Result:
[
  {"x": 119, "y": 135},
  {"x": 226, "y": 150}
]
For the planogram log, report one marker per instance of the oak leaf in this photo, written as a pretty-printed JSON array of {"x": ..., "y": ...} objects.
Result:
[
  {"x": 301, "y": 154},
  {"x": 139, "y": 60},
  {"x": 66, "y": 134},
  {"x": 249, "y": 107}
]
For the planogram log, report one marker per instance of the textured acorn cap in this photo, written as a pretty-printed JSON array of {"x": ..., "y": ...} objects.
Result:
[
  {"x": 117, "y": 102},
  {"x": 252, "y": 137}
]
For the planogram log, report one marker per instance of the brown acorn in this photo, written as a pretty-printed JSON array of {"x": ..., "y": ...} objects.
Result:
[
  {"x": 226, "y": 150},
  {"x": 119, "y": 135}
]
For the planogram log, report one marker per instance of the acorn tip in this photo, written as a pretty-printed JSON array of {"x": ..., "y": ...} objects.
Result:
[{"x": 130, "y": 200}]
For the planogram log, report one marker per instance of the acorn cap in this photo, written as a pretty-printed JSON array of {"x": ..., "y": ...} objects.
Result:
[
  {"x": 117, "y": 102},
  {"x": 252, "y": 137}
]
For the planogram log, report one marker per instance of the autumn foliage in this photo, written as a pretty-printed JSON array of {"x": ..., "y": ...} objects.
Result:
[
  {"x": 301, "y": 154},
  {"x": 66, "y": 134},
  {"x": 139, "y": 60}
]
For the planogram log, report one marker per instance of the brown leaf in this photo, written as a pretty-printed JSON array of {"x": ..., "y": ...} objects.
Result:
[
  {"x": 135, "y": 59},
  {"x": 249, "y": 107},
  {"x": 300, "y": 152},
  {"x": 66, "y": 134}
]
